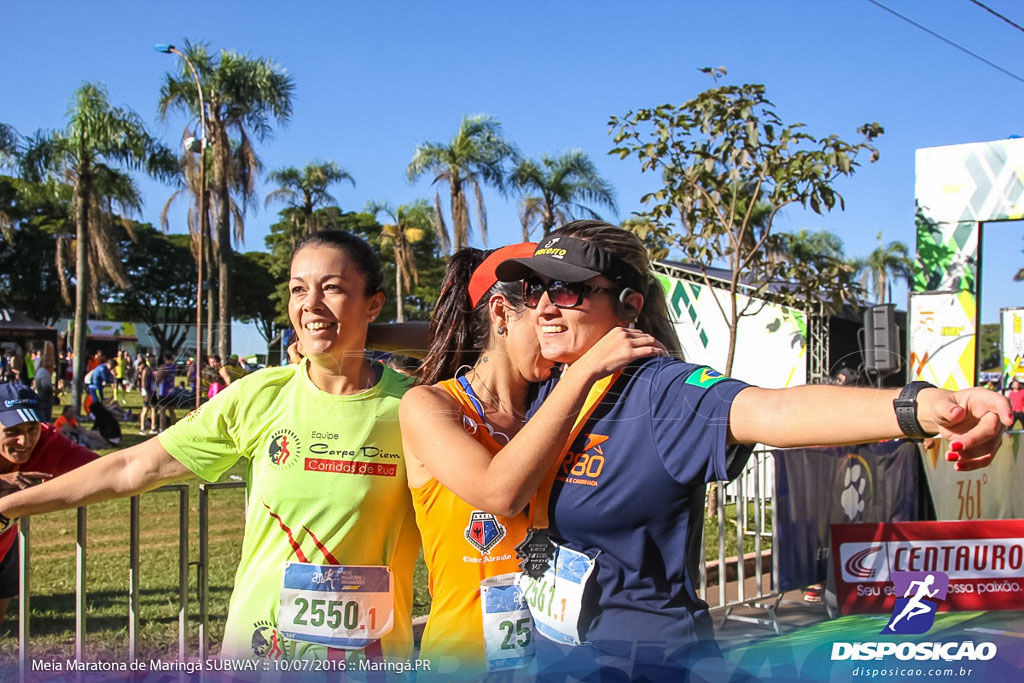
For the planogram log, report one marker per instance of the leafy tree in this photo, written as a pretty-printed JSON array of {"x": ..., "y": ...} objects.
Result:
[
  {"x": 9, "y": 156},
  {"x": 28, "y": 274},
  {"x": 719, "y": 156},
  {"x": 888, "y": 262},
  {"x": 554, "y": 191},
  {"x": 256, "y": 303},
  {"x": 243, "y": 95},
  {"x": 811, "y": 268},
  {"x": 161, "y": 271},
  {"x": 475, "y": 155},
  {"x": 88, "y": 153},
  {"x": 989, "y": 347},
  {"x": 306, "y": 190},
  {"x": 187, "y": 181},
  {"x": 410, "y": 223},
  {"x": 10, "y": 143}
]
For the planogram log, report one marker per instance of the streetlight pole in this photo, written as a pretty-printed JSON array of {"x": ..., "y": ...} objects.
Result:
[{"x": 203, "y": 218}]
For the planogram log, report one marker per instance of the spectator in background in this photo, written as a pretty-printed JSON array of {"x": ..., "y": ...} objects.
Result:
[
  {"x": 190, "y": 372},
  {"x": 165, "y": 390},
  {"x": 98, "y": 358},
  {"x": 214, "y": 380},
  {"x": 232, "y": 370},
  {"x": 99, "y": 377},
  {"x": 1016, "y": 397},
  {"x": 16, "y": 363},
  {"x": 147, "y": 386},
  {"x": 119, "y": 371},
  {"x": 44, "y": 389},
  {"x": 105, "y": 424},
  {"x": 28, "y": 372},
  {"x": 67, "y": 424},
  {"x": 64, "y": 370},
  {"x": 136, "y": 381},
  {"x": 31, "y": 452}
]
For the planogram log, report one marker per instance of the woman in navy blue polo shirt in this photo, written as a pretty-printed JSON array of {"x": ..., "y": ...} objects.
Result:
[{"x": 625, "y": 510}]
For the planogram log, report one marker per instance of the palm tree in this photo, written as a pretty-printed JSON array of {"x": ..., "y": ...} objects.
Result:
[
  {"x": 807, "y": 244},
  {"x": 888, "y": 262},
  {"x": 410, "y": 223},
  {"x": 9, "y": 154},
  {"x": 242, "y": 95},
  {"x": 9, "y": 143},
  {"x": 85, "y": 154},
  {"x": 306, "y": 190},
  {"x": 555, "y": 189},
  {"x": 187, "y": 177},
  {"x": 475, "y": 155}
]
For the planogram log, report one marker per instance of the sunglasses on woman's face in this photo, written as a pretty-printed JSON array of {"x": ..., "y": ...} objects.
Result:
[{"x": 561, "y": 294}]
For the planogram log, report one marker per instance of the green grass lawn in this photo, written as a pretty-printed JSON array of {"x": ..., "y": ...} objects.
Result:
[{"x": 53, "y": 572}]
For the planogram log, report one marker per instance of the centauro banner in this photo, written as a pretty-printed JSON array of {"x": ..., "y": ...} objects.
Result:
[
  {"x": 771, "y": 345},
  {"x": 1012, "y": 344},
  {"x": 942, "y": 338},
  {"x": 983, "y": 560}
]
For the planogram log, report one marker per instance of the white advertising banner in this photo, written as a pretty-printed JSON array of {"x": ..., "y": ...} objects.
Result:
[
  {"x": 942, "y": 338},
  {"x": 771, "y": 345}
]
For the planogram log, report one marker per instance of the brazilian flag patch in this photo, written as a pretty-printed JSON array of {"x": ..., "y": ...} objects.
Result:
[{"x": 704, "y": 377}]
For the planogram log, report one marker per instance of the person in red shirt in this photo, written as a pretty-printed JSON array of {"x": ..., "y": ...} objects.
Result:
[
  {"x": 31, "y": 451},
  {"x": 1016, "y": 397}
]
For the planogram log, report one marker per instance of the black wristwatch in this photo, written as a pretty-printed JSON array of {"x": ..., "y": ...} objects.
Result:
[{"x": 905, "y": 406}]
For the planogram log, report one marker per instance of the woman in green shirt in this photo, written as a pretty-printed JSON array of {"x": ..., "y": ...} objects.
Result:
[{"x": 330, "y": 538}]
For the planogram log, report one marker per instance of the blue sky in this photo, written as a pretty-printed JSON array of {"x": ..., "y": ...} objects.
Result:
[{"x": 375, "y": 79}]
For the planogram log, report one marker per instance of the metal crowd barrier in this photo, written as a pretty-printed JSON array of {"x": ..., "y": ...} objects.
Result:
[
  {"x": 203, "y": 579},
  {"x": 134, "y": 585},
  {"x": 751, "y": 492}
]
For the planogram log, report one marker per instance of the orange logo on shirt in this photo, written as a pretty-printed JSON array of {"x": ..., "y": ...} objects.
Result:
[{"x": 584, "y": 467}]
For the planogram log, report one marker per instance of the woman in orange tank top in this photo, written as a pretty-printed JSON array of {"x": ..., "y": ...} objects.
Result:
[{"x": 468, "y": 449}]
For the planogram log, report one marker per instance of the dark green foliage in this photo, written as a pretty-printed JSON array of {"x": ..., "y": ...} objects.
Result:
[
  {"x": 28, "y": 244},
  {"x": 989, "y": 355},
  {"x": 728, "y": 164},
  {"x": 254, "y": 300},
  {"x": 419, "y": 302},
  {"x": 161, "y": 272}
]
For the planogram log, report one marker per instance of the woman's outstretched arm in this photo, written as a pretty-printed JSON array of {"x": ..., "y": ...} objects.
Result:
[
  {"x": 121, "y": 474},
  {"x": 817, "y": 415}
]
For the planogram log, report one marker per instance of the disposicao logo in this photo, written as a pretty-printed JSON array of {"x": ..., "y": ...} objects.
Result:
[
  {"x": 914, "y": 613},
  {"x": 918, "y": 595}
]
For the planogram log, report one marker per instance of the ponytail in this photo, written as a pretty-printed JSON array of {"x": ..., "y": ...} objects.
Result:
[{"x": 458, "y": 330}]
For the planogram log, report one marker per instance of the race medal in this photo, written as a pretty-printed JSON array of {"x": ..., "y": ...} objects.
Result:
[
  {"x": 346, "y": 607},
  {"x": 508, "y": 627},
  {"x": 535, "y": 552},
  {"x": 556, "y": 597}
]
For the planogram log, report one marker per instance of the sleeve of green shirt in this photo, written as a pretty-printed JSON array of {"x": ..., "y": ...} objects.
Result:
[{"x": 206, "y": 441}]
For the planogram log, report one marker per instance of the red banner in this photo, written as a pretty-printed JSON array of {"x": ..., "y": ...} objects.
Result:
[{"x": 984, "y": 561}]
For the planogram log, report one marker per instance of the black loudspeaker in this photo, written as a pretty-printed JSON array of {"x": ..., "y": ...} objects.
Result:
[{"x": 881, "y": 343}]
